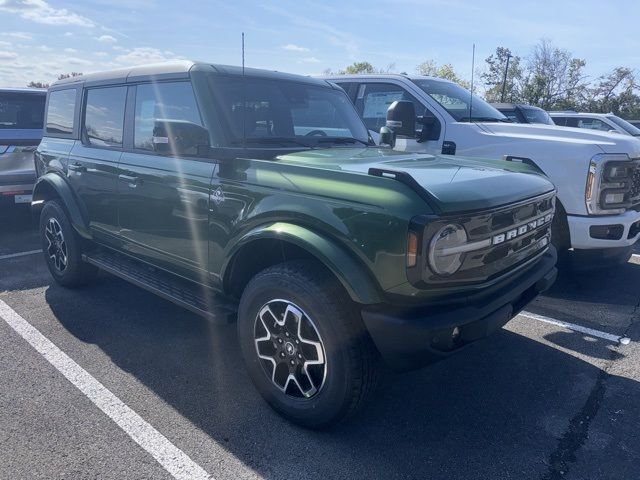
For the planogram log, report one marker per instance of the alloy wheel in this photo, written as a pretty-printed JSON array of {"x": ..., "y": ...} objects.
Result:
[
  {"x": 290, "y": 349},
  {"x": 56, "y": 245}
]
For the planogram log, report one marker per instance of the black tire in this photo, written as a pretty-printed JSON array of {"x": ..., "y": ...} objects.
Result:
[
  {"x": 73, "y": 271},
  {"x": 351, "y": 361}
]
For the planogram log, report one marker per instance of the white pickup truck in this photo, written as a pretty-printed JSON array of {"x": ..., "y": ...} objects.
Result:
[{"x": 597, "y": 174}]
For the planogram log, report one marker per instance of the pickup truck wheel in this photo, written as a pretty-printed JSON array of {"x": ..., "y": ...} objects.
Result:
[
  {"x": 61, "y": 247},
  {"x": 304, "y": 344}
]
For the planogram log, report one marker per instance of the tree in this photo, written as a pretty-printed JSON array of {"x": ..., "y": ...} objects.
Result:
[
  {"x": 62, "y": 76},
  {"x": 554, "y": 78},
  {"x": 493, "y": 77},
  {"x": 359, "y": 67},
  {"x": 33, "y": 84},
  {"x": 615, "y": 92},
  {"x": 431, "y": 69}
]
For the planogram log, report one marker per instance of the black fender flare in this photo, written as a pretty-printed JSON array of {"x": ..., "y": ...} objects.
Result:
[{"x": 52, "y": 185}]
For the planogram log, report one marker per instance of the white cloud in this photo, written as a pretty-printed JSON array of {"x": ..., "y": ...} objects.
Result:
[
  {"x": 101, "y": 54},
  {"x": 68, "y": 34},
  {"x": 19, "y": 35},
  {"x": 71, "y": 50},
  {"x": 5, "y": 44},
  {"x": 309, "y": 60},
  {"x": 78, "y": 61},
  {"x": 40, "y": 11},
  {"x": 294, "y": 48},
  {"x": 106, "y": 39},
  {"x": 142, "y": 55},
  {"x": 44, "y": 48},
  {"x": 5, "y": 55}
]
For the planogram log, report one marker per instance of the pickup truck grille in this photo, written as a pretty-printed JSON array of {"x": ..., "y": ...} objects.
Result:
[
  {"x": 635, "y": 186},
  {"x": 517, "y": 233}
]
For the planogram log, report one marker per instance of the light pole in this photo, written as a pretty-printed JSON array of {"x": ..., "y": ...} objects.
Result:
[{"x": 504, "y": 81}]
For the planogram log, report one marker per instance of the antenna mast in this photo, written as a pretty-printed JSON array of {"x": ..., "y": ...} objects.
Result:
[
  {"x": 473, "y": 66},
  {"x": 244, "y": 101}
]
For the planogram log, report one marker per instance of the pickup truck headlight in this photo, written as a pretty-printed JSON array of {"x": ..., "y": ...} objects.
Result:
[
  {"x": 609, "y": 184},
  {"x": 446, "y": 251}
]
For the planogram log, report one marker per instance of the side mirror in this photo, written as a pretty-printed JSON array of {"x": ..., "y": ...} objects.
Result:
[
  {"x": 430, "y": 128},
  {"x": 401, "y": 117},
  {"x": 387, "y": 137},
  {"x": 178, "y": 137}
]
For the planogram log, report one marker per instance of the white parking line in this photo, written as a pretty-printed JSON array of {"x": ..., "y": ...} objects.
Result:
[
  {"x": 635, "y": 255},
  {"x": 172, "y": 459},
  {"x": 577, "y": 328},
  {"x": 20, "y": 254}
]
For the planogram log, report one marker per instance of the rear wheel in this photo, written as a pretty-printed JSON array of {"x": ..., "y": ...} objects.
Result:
[
  {"x": 61, "y": 246},
  {"x": 304, "y": 344}
]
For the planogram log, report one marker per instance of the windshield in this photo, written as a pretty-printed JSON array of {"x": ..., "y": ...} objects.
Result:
[
  {"x": 282, "y": 113},
  {"x": 536, "y": 115},
  {"x": 456, "y": 99},
  {"x": 21, "y": 110},
  {"x": 626, "y": 126}
]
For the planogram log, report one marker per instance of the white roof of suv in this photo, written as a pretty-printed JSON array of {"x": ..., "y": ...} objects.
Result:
[{"x": 607, "y": 122}]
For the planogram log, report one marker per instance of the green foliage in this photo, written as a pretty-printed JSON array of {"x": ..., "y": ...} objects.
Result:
[{"x": 431, "y": 69}]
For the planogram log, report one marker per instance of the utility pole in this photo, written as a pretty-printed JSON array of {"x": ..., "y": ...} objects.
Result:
[{"x": 504, "y": 81}]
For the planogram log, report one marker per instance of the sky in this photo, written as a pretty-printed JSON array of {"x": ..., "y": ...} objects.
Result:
[{"x": 40, "y": 39}]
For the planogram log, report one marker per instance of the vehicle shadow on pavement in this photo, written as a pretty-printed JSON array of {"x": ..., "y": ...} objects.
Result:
[{"x": 497, "y": 410}]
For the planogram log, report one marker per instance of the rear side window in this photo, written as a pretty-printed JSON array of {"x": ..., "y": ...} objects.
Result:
[
  {"x": 165, "y": 109},
  {"x": 21, "y": 110},
  {"x": 61, "y": 111},
  {"x": 104, "y": 116}
]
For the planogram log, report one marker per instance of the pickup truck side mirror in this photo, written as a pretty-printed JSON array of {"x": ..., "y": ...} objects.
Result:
[
  {"x": 430, "y": 128},
  {"x": 387, "y": 137},
  {"x": 401, "y": 118},
  {"x": 178, "y": 137}
]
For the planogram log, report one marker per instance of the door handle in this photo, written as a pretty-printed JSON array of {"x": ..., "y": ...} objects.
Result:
[
  {"x": 131, "y": 180},
  {"x": 76, "y": 167}
]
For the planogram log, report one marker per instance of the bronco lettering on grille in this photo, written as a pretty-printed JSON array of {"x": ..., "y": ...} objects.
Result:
[{"x": 521, "y": 230}]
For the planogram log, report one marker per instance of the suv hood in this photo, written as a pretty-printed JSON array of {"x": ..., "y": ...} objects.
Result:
[
  {"x": 456, "y": 184},
  {"x": 608, "y": 142}
]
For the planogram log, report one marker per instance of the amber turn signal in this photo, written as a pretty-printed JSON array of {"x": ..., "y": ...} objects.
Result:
[{"x": 412, "y": 249}]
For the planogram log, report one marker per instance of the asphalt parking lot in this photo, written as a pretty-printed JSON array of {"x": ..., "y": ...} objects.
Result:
[{"x": 535, "y": 401}]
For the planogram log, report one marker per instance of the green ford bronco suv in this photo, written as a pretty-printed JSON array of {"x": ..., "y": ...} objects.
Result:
[{"x": 260, "y": 196}]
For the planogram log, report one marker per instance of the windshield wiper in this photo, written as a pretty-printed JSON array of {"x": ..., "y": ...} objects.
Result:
[
  {"x": 484, "y": 119},
  {"x": 283, "y": 141},
  {"x": 342, "y": 140}
]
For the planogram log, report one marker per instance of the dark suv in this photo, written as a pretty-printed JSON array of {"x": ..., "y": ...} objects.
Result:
[
  {"x": 259, "y": 196},
  {"x": 21, "y": 116}
]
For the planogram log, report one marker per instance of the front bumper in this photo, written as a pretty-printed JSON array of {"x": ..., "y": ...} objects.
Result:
[
  {"x": 414, "y": 337},
  {"x": 582, "y": 233}
]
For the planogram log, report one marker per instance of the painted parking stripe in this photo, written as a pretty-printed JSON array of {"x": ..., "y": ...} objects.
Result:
[
  {"x": 577, "y": 328},
  {"x": 172, "y": 459},
  {"x": 635, "y": 255},
  {"x": 20, "y": 254}
]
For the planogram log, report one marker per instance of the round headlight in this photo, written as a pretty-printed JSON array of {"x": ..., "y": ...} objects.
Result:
[{"x": 444, "y": 259}]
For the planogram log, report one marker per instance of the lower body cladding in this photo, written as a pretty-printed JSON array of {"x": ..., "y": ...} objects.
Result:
[{"x": 409, "y": 339}]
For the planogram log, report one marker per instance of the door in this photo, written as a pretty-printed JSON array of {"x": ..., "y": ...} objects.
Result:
[
  {"x": 163, "y": 187},
  {"x": 373, "y": 100},
  {"x": 93, "y": 162}
]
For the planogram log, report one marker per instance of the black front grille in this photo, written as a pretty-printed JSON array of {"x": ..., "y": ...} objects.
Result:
[
  {"x": 503, "y": 254},
  {"x": 635, "y": 185}
]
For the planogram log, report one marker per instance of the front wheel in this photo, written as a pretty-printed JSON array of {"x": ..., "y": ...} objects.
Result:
[{"x": 304, "y": 344}]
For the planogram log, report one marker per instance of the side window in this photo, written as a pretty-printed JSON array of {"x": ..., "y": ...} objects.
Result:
[
  {"x": 374, "y": 99},
  {"x": 560, "y": 121},
  {"x": 164, "y": 111},
  {"x": 61, "y": 111},
  {"x": 594, "y": 124},
  {"x": 104, "y": 116}
]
